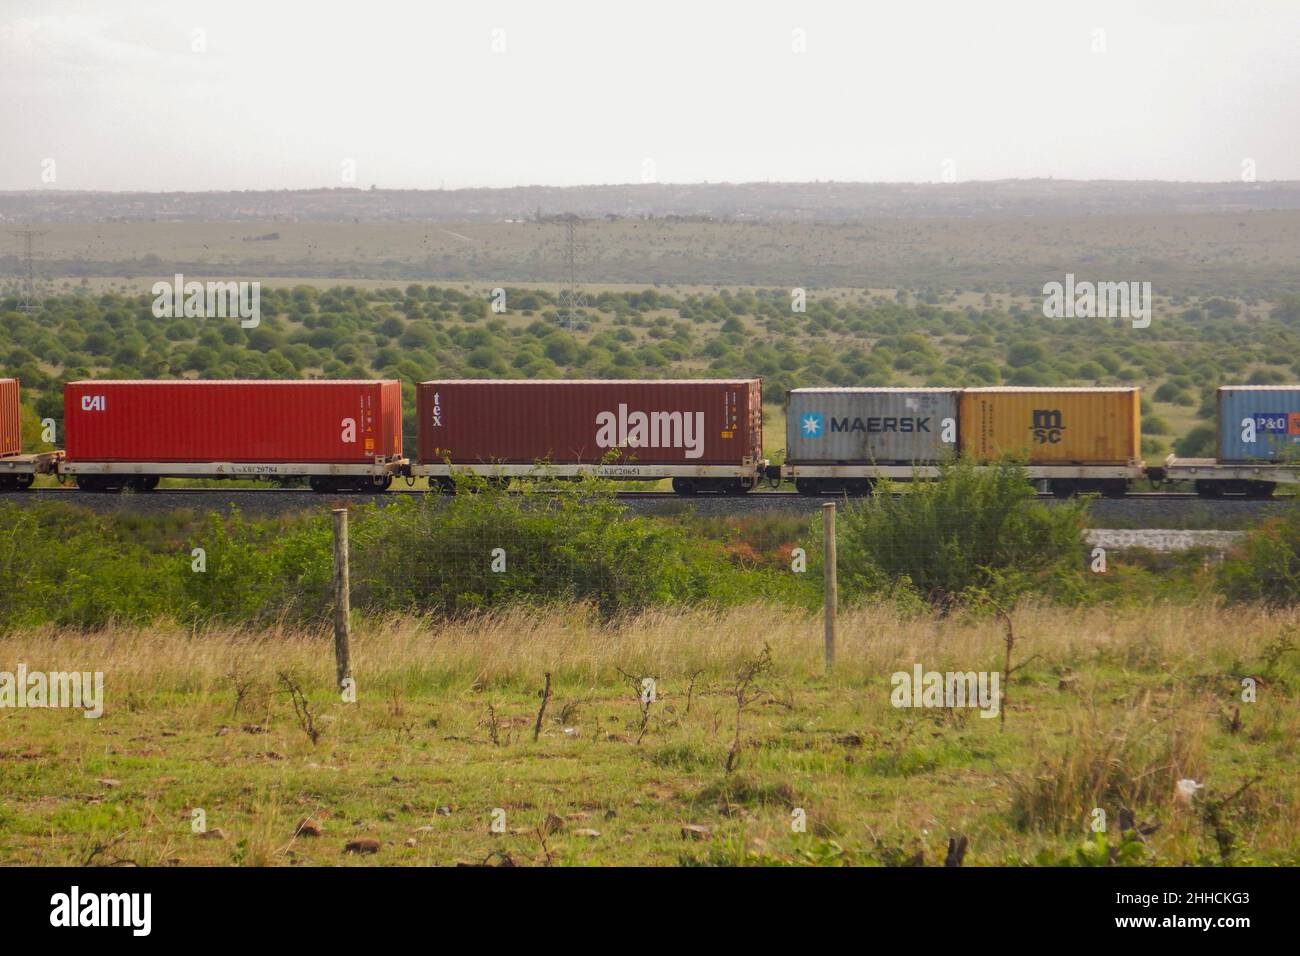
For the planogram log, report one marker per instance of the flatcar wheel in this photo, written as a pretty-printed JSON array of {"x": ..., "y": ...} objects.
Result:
[
  {"x": 101, "y": 483},
  {"x": 859, "y": 487},
  {"x": 808, "y": 486},
  {"x": 1209, "y": 489},
  {"x": 685, "y": 486},
  {"x": 144, "y": 484},
  {"x": 443, "y": 485},
  {"x": 322, "y": 485},
  {"x": 1260, "y": 489},
  {"x": 376, "y": 487},
  {"x": 1061, "y": 488},
  {"x": 1114, "y": 488},
  {"x": 25, "y": 481},
  {"x": 11, "y": 483}
]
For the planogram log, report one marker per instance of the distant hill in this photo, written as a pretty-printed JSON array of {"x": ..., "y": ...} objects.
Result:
[{"x": 830, "y": 201}]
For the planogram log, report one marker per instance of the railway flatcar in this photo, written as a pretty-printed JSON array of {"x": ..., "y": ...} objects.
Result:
[
  {"x": 339, "y": 435},
  {"x": 1258, "y": 444},
  {"x": 18, "y": 471},
  {"x": 706, "y": 435},
  {"x": 1076, "y": 439},
  {"x": 1073, "y": 439},
  {"x": 838, "y": 439}
]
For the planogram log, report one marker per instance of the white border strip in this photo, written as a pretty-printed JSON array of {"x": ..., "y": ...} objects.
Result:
[
  {"x": 39, "y": 464},
  {"x": 907, "y": 472},
  {"x": 1218, "y": 471},
  {"x": 637, "y": 472}
]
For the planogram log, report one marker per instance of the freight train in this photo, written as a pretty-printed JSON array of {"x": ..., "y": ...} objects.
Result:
[{"x": 705, "y": 435}]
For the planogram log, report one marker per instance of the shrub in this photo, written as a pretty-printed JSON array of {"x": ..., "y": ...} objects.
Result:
[
  {"x": 1200, "y": 442},
  {"x": 438, "y": 555},
  {"x": 254, "y": 573},
  {"x": 971, "y": 531},
  {"x": 427, "y": 555},
  {"x": 68, "y": 568},
  {"x": 1265, "y": 567}
]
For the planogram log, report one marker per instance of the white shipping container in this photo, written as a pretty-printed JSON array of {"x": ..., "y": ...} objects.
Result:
[{"x": 870, "y": 425}]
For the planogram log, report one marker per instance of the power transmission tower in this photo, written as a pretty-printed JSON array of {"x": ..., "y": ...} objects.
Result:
[
  {"x": 28, "y": 301},
  {"x": 571, "y": 298}
]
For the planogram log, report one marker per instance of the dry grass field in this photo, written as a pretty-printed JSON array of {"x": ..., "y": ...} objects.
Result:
[{"x": 1105, "y": 709}]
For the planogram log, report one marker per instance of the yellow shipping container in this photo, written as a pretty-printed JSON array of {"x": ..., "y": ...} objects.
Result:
[{"x": 1046, "y": 426}]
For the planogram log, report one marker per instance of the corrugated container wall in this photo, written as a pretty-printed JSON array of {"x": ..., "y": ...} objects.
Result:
[
  {"x": 1094, "y": 426},
  {"x": 877, "y": 425},
  {"x": 10, "y": 424},
  {"x": 678, "y": 422},
  {"x": 233, "y": 421},
  {"x": 1274, "y": 419}
]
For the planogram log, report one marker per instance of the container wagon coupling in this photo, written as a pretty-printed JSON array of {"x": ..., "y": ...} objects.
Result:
[
  {"x": 706, "y": 435},
  {"x": 18, "y": 471},
  {"x": 337, "y": 435}
]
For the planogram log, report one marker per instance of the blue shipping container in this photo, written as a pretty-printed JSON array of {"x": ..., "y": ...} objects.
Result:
[{"x": 1259, "y": 423}]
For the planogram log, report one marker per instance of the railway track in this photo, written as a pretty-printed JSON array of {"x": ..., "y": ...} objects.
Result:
[
  {"x": 757, "y": 496},
  {"x": 216, "y": 493}
]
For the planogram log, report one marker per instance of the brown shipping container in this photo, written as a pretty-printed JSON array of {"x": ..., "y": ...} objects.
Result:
[
  {"x": 10, "y": 427},
  {"x": 343, "y": 422},
  {"x": 1086, "y": 426},
  {"x": 676, "y": 422}
]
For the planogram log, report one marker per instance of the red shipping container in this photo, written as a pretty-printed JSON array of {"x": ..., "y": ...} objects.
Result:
[
  {"x": 342, "y": 422},
  {"x": 665, "y": 422},
  {"x": 10, "y": 426}
]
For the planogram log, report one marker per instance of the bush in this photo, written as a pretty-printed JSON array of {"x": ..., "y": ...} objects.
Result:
[
  {"x": 1266, "y": 566},
  {"x": 65, "y": 567},
  {"x": 1200, "y": 442},
  {"x": 425, "y": 555},
  {"x": 971, "y": 532},
  {"x": 490, "y": 547},
  {"x": 256, "y": 573},
  {"x": 1154, "y": 425}
]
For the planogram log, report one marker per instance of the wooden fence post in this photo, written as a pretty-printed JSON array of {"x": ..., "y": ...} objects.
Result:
[
  {"x": 832, "y": 598},
  {"x": 342, "y": 601}
]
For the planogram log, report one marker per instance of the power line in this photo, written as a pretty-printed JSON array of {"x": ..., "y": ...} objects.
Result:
[
  {"x": 571, "y": 298},
  {"x": 28, "y": 301}
]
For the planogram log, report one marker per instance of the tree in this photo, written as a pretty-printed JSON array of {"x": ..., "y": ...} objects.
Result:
[
  {"x": 561, "y": 349},
  {"x": 1200, "y": 442},
  {"x": 1024, "y": 353}
]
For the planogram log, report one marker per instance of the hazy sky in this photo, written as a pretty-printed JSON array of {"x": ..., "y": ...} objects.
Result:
[{"x": 252, "y": 95}]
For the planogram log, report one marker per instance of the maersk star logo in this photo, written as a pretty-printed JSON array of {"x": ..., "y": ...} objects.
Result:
[{"x": 812, "y": 425}]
